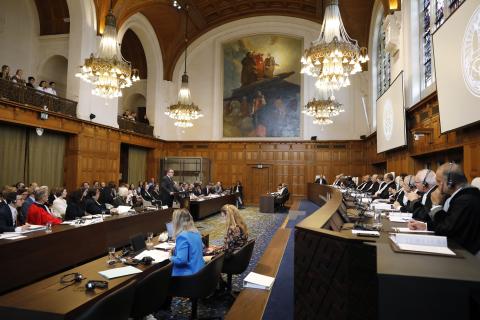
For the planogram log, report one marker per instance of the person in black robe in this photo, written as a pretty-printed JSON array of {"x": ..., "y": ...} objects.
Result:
[
  {"x": 74, "y": 210},
  {"x": 459, "y": 216}
]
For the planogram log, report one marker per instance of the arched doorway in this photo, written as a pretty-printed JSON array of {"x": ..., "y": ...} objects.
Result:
[{"x": 55, "y": 69}]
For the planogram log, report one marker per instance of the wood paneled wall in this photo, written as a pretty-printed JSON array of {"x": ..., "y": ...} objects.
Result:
[
  {"x": 93, "y": 152},
  {"x": 294, "y": 163},
  {"x": 432, "y": 149}
]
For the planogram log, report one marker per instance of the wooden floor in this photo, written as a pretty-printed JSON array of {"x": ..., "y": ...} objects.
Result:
[{"x": 251, "y": 303}]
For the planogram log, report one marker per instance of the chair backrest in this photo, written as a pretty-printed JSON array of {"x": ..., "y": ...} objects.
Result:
[
  {"x": 138, "y": 242},
  {"x": 151, "y": 292},
  {"x": 476, "y": 182},
  {"x": 238, "y": 261},
  {"x": 115, "y": 305},
  {"x": 200, "y": 284}
]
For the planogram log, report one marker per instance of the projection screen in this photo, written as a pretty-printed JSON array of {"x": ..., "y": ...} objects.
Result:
[
  {"x": 391, "y": 117},
  {"x": 456, "y": 47}
]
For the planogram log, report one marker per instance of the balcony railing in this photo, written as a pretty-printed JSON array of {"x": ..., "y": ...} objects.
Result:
[
  {"x": 135, "y": 126},
  {"x": 22, "y": 94}
]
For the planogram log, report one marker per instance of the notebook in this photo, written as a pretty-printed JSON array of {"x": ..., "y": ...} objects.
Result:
[
  {"x": 417, "y": 243},
  {"x": 258, "y": 281},
  {"x": 157, "y": 255}
]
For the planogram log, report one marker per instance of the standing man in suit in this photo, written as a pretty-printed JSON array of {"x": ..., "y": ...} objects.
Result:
[
  {"x": 238, "y": 189},
  {"x": 167, "y": 188}
]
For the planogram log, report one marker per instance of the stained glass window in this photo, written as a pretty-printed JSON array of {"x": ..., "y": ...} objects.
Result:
[
  {"x": 383, "y": 63},
  {"x": 434, "y": 13}
]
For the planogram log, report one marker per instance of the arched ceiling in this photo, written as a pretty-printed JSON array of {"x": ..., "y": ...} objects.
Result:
[
  {"x": 53, "y": 16},
  {"x": 132, "y": 50},
  {"x": 205, "y": 15}
]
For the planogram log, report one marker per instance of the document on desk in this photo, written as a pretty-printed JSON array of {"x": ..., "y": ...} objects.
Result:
[
  {"x": 381, "y": 206},
  {"x": 157, "y": 255},
  {"x": 258, "y": 281},
  {"x": 119, "y": 272},
  {"x": 407, "y": 230},
  {"x": 31, "y": 228},
  {"x": 399, "y": 216},
  {"x": 421, "y": 243},
  {"x": 123, "y": 209},
  {"x": 11, "y": 236},
  {"x": 165, "y": 245}
]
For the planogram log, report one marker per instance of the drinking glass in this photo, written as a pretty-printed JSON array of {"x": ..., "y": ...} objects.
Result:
[
  {"x": 48, "y": 227},
  {"x": 149, "y": 241},
  {"x": 111, "y": 255},
  {"x": 377, "y": 219}
]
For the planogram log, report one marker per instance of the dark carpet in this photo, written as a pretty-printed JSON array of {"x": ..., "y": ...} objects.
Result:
[
  {"x": 261, "y": 227},
  {"x": 281, "y": 302}
]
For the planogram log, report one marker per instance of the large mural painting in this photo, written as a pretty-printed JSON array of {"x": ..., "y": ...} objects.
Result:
[{"x": 261, "y": 87}]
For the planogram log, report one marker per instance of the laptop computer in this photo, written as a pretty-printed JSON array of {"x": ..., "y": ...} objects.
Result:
[{"x": 169, "y": 226}]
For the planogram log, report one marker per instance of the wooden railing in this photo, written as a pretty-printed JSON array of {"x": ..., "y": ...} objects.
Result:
[
  {"x": 135, "y": 126},
  {"x": 22, "y": 94}
]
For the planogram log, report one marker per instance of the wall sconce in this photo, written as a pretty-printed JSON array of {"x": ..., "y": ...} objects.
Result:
[{"x": 423, "y": 132}]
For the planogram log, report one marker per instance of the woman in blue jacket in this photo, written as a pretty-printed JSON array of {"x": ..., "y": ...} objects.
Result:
[{"x": 187, "y": 258}]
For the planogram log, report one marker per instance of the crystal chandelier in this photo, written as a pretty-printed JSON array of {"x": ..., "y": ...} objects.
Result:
[
  {"x": 334, "y": 56},
  {"x": 184, "y": 111},
  {"x": 108, "y": 71},
  {"x": 323, "y": 108}
]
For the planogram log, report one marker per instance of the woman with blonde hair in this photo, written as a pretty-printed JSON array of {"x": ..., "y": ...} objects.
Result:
[
  {"x": 187, "y": 257},
  {"x": 236, "y": 229}
]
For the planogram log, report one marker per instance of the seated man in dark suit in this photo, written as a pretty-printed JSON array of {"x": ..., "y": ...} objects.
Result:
[
  {"x": 11, "y": 203},
  {"x": 366, "y": 183},
  {"x": 458, "y": 218},
  {"x": 92, "y": 206},
  {"x": 421, "y": 202},
  {"x": 281, "y": 196},
  {"x": 383, "y": 192},
  {"x": 373, "y": 186}
]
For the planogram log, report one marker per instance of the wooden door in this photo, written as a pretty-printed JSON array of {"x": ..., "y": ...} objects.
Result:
[{"x": 258, "y": 183}]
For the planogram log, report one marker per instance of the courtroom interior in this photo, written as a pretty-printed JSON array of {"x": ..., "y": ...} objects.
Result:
[{"x": 239, "y": 159}]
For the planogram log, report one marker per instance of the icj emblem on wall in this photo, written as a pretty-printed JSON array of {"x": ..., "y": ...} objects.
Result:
[
  {"x": 471, "y": 54},
  {"x": 388, "y": 120}
]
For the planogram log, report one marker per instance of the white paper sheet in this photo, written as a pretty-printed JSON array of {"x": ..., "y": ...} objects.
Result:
[
  {"x": 119, "y": 272},
  {"x": 165, "y": 245},
  {"x": 407, "y": 230},
  {"x": 157, "y": 255}
]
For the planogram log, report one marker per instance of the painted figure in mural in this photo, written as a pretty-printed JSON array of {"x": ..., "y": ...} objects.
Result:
[
  {"x": 269, "y": 66},
  {"x": 259, "y": 64},
  {"x": 249, "y": 70}
]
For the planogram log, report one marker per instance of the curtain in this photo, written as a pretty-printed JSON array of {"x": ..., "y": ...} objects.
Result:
[
  {"x": 12, "y": 154},
  {"x": 45, "y": 158},
  {"x": 137, "y": 164}
]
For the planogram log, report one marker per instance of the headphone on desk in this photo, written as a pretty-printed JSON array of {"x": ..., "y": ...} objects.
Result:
[
  {"x": 93, "y": 284},
  {"x": 71, "y": 278}
]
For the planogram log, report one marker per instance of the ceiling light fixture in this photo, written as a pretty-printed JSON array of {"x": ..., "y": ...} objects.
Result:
[
  {"x": 334, "y": 56},
  {"x": 184, "y": 111},
  {"x": 108, "y": 71}
]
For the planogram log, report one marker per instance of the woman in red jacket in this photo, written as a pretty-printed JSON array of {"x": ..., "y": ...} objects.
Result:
[{"x": 39, "y": 213}]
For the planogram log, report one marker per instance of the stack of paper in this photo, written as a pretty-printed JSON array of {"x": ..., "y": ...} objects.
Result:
[
  {"x": 422, "y": 243},
  {"x": 157, "y": 255},
  {"x": 123, "y": 209},
  {"x": 258, "y": 281},
  {"x": 400, "y": 216},
  {"x": 119, "y": 272}
]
